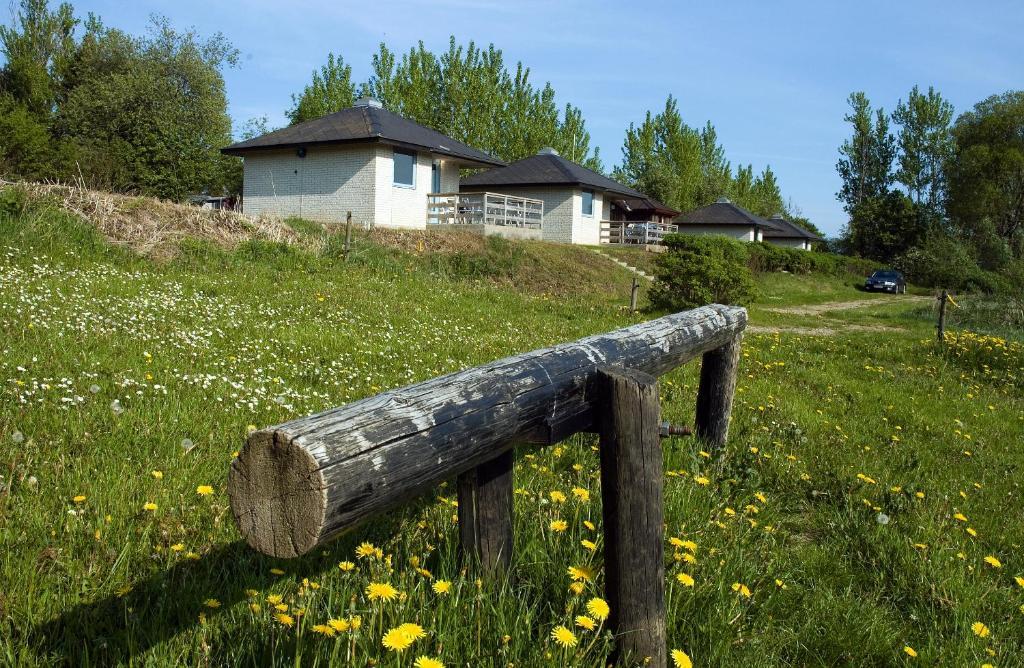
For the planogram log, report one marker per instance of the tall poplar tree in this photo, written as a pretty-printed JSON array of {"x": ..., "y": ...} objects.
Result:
[
  {"x": 925, "y": 142},
  {"x": 867, "y": 156}
]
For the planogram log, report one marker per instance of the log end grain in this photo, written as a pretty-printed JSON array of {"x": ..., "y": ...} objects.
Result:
[{"x": 278, "y": 495}]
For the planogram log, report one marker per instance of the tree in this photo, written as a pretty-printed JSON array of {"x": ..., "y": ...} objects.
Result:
[
  {"x": 148, "y": 114},
  {"x": 331, "y": 89},
  {"x": 866, "y": 163},
  {"x": 885, "y": 226},
  {"x": 925, "y": 144},
  {"x": 986, "y": 172}
]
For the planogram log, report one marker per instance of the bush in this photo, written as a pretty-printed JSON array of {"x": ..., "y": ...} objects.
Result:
[
  {"x": 698, "y": 270},
  {"x": 943, "y": 262}
]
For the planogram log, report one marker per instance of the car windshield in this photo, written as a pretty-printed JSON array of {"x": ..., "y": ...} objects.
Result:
[{"x": 887, "y": 275}]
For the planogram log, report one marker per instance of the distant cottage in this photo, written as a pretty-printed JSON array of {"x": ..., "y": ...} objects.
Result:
[{"x": 725, "y": 218}]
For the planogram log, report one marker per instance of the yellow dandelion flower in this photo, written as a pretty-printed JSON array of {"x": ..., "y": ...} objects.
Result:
[
  {"x": 427, "y": 662},
  {"x": 276, "y": 571},
  {"x": 212, "y": 603},
  {"x": 158, "y": 475},
  {"x": 689, "y": 558},
  {"x": 204, "y": 490},
  {"x": 585, "y": 622},
  {"x": 993, "y": 562},
  {"x": 79, "y": 499},
  {"x": 589, "y": 545},
  {"x": 684, "y": 579},
  {"x": 441, "y": 587},
  {"x": 338, "y": 625},
  {"x": 742, "y": 589},
  {"x": 590, "y": 525},
  {"x": 346, "y": 566},
  {"x": 150, "y": 506},
  {"x": 761, "y": 497},
  {"x": 577, "y": 588},
  {"x": 324, "y": 629},
  {"x": 177, "y": 547},
  {"x": 971, "y": 531},
  {"x": 564, "y": 636},
  {"x": 910, "y": 651},
  {"x": 980, "y": 630},
  {"x": 559, "y": 525},
  {"x": 414, "y": 631},
  {"x": 1019, "y": 580},
  {"x": 681, "y": 659},
  {"x": 556, "y": 496},
  {"x": 381, "y": 591},
  {"x": 598, "y": 608},
  {"x": 701, "y": 480},
  {"x": 366, "y": 550},
  {"x": 355, "y": 622},
  {"x": 581, "y": 494},
  {"x": 396, "y": 640},
  {"x": 960, "y": 516},
  {"x": 273, "y": 599},
  {"x": 581, "y": 573},
  {"x": 285, "y": 620}
]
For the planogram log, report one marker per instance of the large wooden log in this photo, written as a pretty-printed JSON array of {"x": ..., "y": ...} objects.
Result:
[{"x": 298, "y": 484}]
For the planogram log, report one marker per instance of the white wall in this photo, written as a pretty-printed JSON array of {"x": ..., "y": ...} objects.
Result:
[
  {"x": 587, "y": 229},
  {"x": 802, "y": 244},
  {"x": 409, "y": 205},
  {"x": 738, "y": 232},
  {"x": 322, "y": 186}
]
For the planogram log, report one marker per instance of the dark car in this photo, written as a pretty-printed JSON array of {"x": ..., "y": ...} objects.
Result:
[{"x": 887, "y": 281}]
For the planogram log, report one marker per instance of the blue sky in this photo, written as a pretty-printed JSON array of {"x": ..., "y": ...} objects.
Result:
[{"x": 772, "y": 75}]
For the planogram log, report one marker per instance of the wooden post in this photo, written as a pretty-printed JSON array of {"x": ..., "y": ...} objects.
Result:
[
  {"x": 631, "y": 493},
  {"x": 714, "y": 397},
  {"x": 485, "y": 514},
  {"x": 941, "y": 327},
  {"x": 633, "y": 294},
  {"x": 348, "y": 233}
]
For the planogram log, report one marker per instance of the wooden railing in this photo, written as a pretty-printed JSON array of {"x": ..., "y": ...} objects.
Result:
[
  {"x": 484, "y": 209},
  {"x": 635, "y": 232},
  {"x": 296, "y": 485}
]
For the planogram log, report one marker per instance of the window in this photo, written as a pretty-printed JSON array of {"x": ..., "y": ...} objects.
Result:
[
  {"x": 588, "y": 202},
  {"x": 405, "y": 168}
]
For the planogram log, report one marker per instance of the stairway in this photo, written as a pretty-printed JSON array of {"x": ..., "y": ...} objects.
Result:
[{"x": 627, "y": 267}]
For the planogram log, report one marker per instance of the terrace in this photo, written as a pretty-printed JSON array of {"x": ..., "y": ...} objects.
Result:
[
  {"x": 489, "y": 213},
  {"x": 645, "y": 233}
]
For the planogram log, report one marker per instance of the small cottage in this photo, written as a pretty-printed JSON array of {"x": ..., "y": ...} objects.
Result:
[
  {"x": 726, "y": 219},
  {"x": 789, "y": 235},
  {"x": 575, "y": 199},
  {"x": 364, "y": 159}
]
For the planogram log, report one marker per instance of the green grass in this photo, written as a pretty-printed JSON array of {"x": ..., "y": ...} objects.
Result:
[{"x": 825, "y": 430}]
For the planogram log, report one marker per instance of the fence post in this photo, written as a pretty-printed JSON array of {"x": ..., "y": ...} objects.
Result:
[
  {"x": 631, "y": 493},
  {"x": 714, "y": 397},
  {"x": 348, "y": 234},
  {"x": 634, "y": 289},
  {"x": 941, "y": 326},
  {"x": 485, "y": 514}
]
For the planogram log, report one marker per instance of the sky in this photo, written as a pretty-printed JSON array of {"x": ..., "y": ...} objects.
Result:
[{"x": 771, "y": 75}]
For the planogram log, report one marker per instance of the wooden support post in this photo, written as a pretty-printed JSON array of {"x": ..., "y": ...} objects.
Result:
[
  {"x": 941, "y": 326},
  {"x": 718, "y": 369},
  {"x": 633, "y": 294},
  {"x": 631, "y": 493},
  {"x": 348, "y": 234},
  {"x": 485, "y": 514}
]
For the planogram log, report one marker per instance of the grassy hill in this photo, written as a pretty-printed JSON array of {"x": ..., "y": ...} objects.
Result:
[{"x": 868, "y": 478}]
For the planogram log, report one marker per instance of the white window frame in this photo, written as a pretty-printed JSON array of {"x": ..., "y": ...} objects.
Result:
[
  {"x": 415, "y": 162},
  {"x": 593, "y": 199}
]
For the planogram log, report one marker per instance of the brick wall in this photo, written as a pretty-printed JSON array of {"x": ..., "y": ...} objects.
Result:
[
  {"x": 322, "y": 186},
  {"x": 737, "y": 232}
]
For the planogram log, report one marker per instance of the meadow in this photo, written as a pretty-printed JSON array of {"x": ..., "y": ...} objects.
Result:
[{"x": 867, "y": 512}]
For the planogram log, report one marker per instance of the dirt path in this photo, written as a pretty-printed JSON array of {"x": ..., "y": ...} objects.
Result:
[
  {"x": 818, "y": 309},
  {"x": 833, "y": 327}
]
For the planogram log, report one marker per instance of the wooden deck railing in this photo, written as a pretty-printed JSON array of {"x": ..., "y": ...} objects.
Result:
[
  {"x": 635, "y": 232},
  {"x": 484, "y": 209},
  {"x": 296, "y": 485}
]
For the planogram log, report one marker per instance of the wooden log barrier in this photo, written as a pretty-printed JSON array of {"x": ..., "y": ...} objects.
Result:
[
  {"x": 714, "y": 396},
  {"x": 485, "y": 513},
  {"x": 298, "y": 484}
]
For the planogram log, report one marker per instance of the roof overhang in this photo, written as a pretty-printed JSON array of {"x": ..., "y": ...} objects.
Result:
[{"x": 461, "y": 160}]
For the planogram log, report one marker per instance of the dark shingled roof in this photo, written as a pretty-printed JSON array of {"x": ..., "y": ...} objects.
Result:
[
  {"x": 788, "y": 230},
  {"x": 723, "y": 212},
  {"x": 365, "y": 123},
  {"x": 546, "y": 169},
  {"x": 645, "y": 204}
]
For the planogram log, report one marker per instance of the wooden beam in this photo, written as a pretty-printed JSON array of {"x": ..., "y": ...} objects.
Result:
[
  {"x": 718, "y": 371},
  {"x": 631, "y": 497},
  {"x": 485, "y": 514},
  {"x": 298, "y": 484}
]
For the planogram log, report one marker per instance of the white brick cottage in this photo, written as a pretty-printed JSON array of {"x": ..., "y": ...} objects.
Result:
[
  {"x": 363, "y": 159},
  {"x": 724, "y": 218},
  {"x": 576, "y": 199}
]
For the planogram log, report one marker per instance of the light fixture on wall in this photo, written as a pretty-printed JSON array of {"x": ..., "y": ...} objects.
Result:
[{"x": 301, "y": 152}]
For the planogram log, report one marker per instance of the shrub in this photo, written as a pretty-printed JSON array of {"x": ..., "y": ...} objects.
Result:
[{"x": 698, "y": 270}]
